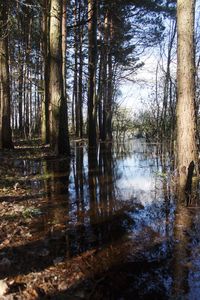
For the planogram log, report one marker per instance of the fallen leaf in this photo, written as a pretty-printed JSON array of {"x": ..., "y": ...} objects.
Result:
[{"x": 3, "y": 288}]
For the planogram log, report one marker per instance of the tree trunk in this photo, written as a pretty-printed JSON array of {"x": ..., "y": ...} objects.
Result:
[
  {"x": 80, "y": 77},
  {"x": 186, "y": 125},
  {"x": 75, "y": 92},
  {"x": 64, "y": 46},
  {"x": 45, "y": 130},
  {"x": 5, "y": 128},
  {"x": 105, "y": 76},
  {"x": 100, "y": 94},
  {"x": 63, "y": 137},
  {"x": 58, "y": 106},
  {"x": 92, "y": 62},
  {"x": 110, "y": 85},
  {"x": 20, "y": 87}
]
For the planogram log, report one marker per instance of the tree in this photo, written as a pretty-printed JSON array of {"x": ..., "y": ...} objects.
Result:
[
  {"x": 59, "y": 138},
  {"x": 120, "y": 44},
  {"x": 63, "y": 136},
  {"x": 186, "y": 123},
  {"x": 45, "y": 51},
  {"x": 103, "y": 39},
  {"x": 92, "y": 64},
  {"x": 5, "y": 128}
]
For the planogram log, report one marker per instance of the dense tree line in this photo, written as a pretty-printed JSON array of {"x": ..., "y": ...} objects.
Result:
[{"x": 64, "y": 61}]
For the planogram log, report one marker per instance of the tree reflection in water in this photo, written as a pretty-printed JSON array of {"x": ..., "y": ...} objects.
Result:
[{"x": 119, "y": 202}]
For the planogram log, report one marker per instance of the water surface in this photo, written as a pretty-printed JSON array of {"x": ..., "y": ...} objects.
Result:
[{"x": 119, "y": 201}]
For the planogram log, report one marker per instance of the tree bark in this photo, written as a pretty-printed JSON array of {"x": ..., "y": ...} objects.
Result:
[
  {"x": 186, "y": 124},
  {"x": 58, "y": 107},
  {"x": 5, "y": 127},
  {"x": 92, "y": 62},
  {"x": 105, "y": 76},
  {"x": 75, "y": 91},
  {"x": 80, "y": 76},
  {"x": 45, "y": 130},
  {"x": 63, "y": 137},
  {"x": 64, "y": 46},
  {"x": 110, "y": 84}
]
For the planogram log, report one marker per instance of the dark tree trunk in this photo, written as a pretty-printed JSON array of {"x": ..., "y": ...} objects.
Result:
[
  {"x": 45, "y": 105},
  {"x": 5, "y": 127},
  {"x": 92, "y": 62},
  {"x": 80, "y": 78},
  {"x": 63, "y": 137}
]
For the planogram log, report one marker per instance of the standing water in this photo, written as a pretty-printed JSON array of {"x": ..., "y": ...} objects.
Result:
[{"x": 119, "y": 205}]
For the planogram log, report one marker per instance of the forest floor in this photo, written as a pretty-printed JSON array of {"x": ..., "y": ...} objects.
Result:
[{"x": 31, "y": 265}]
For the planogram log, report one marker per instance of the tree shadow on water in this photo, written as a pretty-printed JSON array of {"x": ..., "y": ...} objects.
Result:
[
  {"x": 64, "y": 244},
  {"x": 122, "y": 279}
]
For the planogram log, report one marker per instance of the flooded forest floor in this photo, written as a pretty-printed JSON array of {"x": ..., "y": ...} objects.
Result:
[{"x": 103, "y": 226}]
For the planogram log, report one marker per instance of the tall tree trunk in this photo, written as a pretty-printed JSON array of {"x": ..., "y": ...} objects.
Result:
[
  {"x": 186, "y": 124},
  {"x": 20, "y": 96},
  {"x": 105, "y": 76},
  {"x": 100, "y": 94},
  {"x": 92, "y": 62},
  {"x": 58, "y": 105},
  {"x": 167, "y": 86},
  {"x": 75, "y": 92},
  {"x": 5, "y": 128},
  {"x": 64, "y": 46},
  {"x": 27, "y": 34},
  {"x": 63, "y": 137},
  {"x": 20, "y": 77},
  {"x": 45, "y": 130},
  {"x": 80, "y": 76},
  {"x": 110, "y": 84}
]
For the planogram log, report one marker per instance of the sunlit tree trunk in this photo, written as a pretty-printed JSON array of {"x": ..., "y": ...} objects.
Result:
[
  {"x": 186, "y": 125},
  {"x": 92, "y": 62},
  {"x": 5, "y": 128},
  {"x": 58, "y": 105}
]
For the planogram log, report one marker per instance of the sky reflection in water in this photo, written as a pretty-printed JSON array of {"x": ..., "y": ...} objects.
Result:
[{"x": 124, "y": 199}]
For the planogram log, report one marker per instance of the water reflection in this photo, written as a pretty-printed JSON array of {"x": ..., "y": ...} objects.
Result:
[
  {"x": 130, "y": 199},
  {"x": 97, "y": 217},
  {"x": 121, "y": 197}
]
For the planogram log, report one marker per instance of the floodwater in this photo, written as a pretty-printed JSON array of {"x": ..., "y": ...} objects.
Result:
[{"x": 121, "y": 199}]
